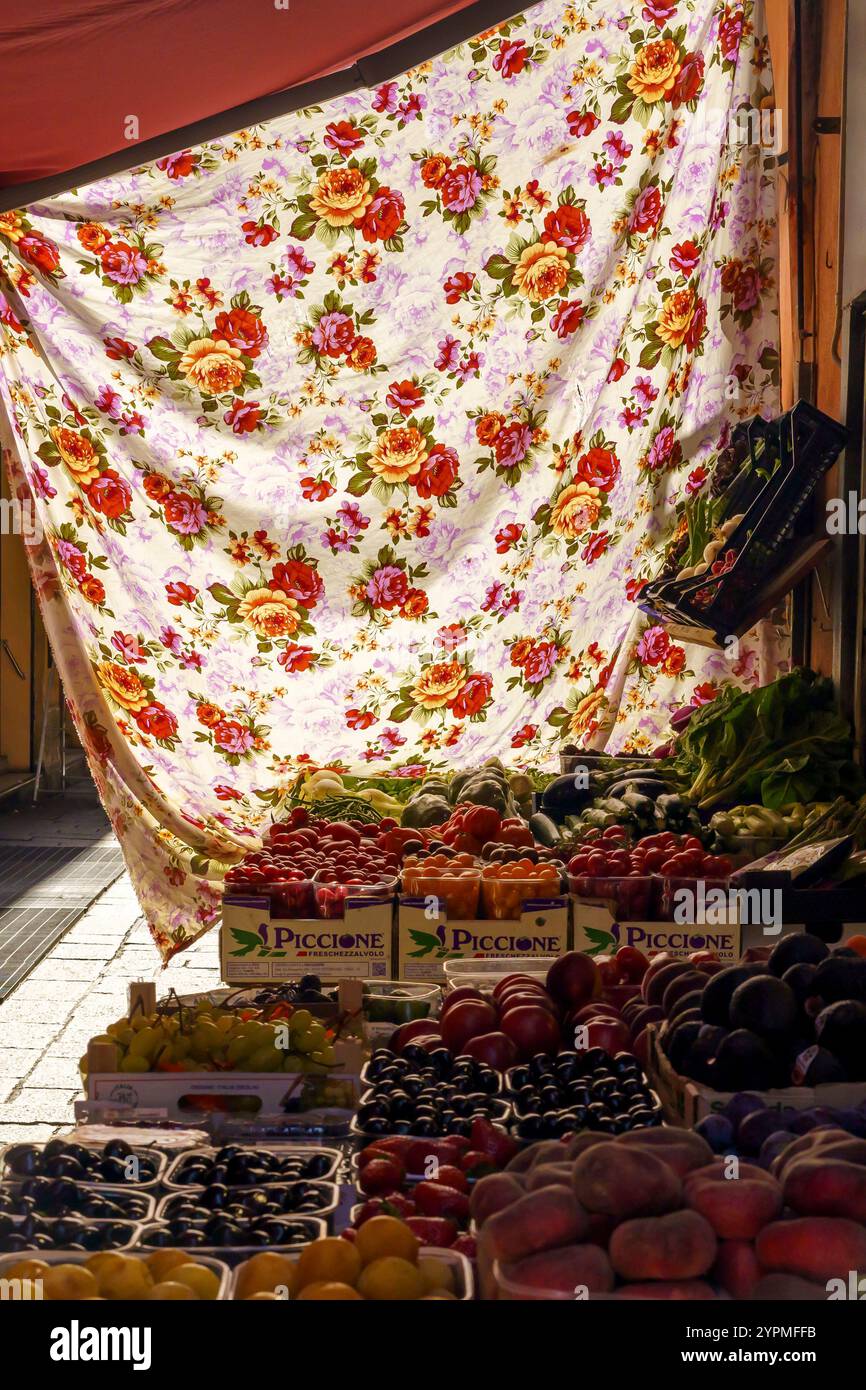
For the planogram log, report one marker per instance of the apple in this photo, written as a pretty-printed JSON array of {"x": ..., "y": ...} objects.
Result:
[
  {"x": 594, "y": 1011},
  {"x": 611, "y": 1034},
  {"x": 620, "y": 995},
  {"x": 520, "y": 997},
  {"x": 426, "y": 1040},
  {"x": 510, "y": 979},
  {"x": 466, "y": 1020},
  {"x": 608, "y": 971},
  {"x": 633, "y": 964},
  {"x": 494, "y": 1049},
  {"x": 573, "y": 979},
  {"x": 532, "y": 1029},
  {"x": 458, "y": 995},
  {"x": 411, "y": 1032},
  {"x": 657, "y": 963}
]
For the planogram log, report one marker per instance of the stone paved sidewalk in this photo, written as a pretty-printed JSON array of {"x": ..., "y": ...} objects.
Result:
[{"x": 76, "y": 991}]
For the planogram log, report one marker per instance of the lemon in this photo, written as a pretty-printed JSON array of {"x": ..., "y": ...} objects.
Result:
[
  {"x": 131, "y": 1279},
  {"x": 437, "y": 1275},
  {"x": 266, "y": 1273},
  {"x": 391, "y": 1280},
  {"x": 204, "y": 1282},
  {"x": 328, "y": 1260},
  {"x": 330, "y": 1290},
  {"x": 60, "y": 1282},
  {"x": 385, "y": 1235},
  {"x": 172, "y": 1292},
  {"x": 162, "y": 1261}
]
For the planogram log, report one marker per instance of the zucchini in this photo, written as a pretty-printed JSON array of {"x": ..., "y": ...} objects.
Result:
[{"x": 544, "y": 829}]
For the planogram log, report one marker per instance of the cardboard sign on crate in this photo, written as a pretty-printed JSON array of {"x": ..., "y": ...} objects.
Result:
[
  {"x": 426, "y": 940},
  {"x": 685, "y": 1102},
  {"x": 189, "y": 1095},
  {"x": 598, "y": 933},
  {"x": 255, "y": 946}
]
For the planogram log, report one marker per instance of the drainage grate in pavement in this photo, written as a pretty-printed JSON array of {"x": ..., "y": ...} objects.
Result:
[{"x": 43, "y": 890}]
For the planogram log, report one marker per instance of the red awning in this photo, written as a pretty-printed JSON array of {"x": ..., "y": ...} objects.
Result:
[{"x": 74, "y": 71}]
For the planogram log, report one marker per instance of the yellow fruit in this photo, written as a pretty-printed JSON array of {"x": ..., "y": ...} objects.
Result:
[
  {"x": 439, "y": 1295},
  {"x": 129, "y": 1280},
  {"x": 436, "y": 1274},
  {"x": 106, "y": 1259},
  {"x": 329, "y": 1290},
  {"x": 261, "y": 1297},
  {"x": 204, "y": 1282},
  {"x": 391, "y": 1280},
  {"x": 385, "y": 1235},
  {"x": 264, "y": 1273},
  {"x": 26, "y": 1269},
  {"x": 133, "y": 1061},
  {"x": 265, "y": 1059},
  {"x": 162, "y": 1261},
  {"x": 171, "y": 1292},
  {"x": 331, "y": 1259},
  {"x": 68, "y": 1282}
]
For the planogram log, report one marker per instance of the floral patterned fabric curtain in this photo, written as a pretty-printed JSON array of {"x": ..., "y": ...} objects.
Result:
[{"x": 352, "y": 438}]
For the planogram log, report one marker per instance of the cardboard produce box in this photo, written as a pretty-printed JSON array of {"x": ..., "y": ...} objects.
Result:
[
  {"x": 255, "y": 946},
  {"x": 685, "y": 1102},
  {"x": 425, "y": 941}
]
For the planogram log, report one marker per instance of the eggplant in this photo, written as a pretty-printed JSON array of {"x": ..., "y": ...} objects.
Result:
[
  {"x": 647, "y": 786},
  {"x": 562, "y": 797}
]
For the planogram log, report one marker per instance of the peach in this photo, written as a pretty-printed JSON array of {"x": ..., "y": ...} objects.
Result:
[
  {"x": 690, "y": 1290},
  {"x": 492, "y": 1194},
  {"x": 815, "y": 1247},
  {"x": 576, "y": 1145},
  {"x": 548, "y": 1151},
  {"x": 736, "y": 1269},
  {"x": 549, "y": 1175},
  {"x": 600, "y": 1229},
  {"x": 736, "y": 1208},
  {"x": 680, "y": 1245},
  {"x": 681, "y": 1149},
  {"x": 806, "y": 1144},
  {"x": 720, "y": 1168},
  {"x": 539, "y": 1220},
  {"x": 775, "y": 1288},
  {"x": 621, "y": 1182},
  {"x": 826, "y": 1187},
  {"x": 563, "y": 1271}
]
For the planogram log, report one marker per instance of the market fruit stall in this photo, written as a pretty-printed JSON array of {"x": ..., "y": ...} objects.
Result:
[{"x": 499, "y": 1036}]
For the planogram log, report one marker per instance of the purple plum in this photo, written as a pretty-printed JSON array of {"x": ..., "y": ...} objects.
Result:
[
  {"x": 742, "y": 1104},
  {"x": 773, "y": 1145},
  {"x": 756, "y": 1128},
  {"x": 718, "y": 1131}
]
